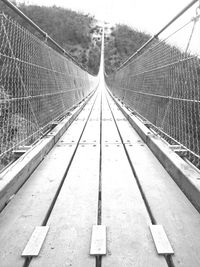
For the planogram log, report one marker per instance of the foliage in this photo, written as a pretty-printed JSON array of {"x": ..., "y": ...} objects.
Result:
[
  {"x": 72, "y": 30},
  {"x": 121, "y": 44},
  {"x": 162, "y": 85}
]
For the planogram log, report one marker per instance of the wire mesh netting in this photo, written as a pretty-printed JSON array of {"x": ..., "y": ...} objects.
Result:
[
  {"x": 37, "y": 86},
  {"x": 162, "y": 85}
]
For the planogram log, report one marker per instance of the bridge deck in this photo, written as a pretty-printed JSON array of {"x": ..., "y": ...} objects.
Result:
[{"x": 100, "y": 171}]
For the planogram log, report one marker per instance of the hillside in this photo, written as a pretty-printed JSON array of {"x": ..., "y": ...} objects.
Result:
[
  {"x": 120, "y": 44},
  {"x": 80, "y": 35},
  {"x": 73, "y": 31}
]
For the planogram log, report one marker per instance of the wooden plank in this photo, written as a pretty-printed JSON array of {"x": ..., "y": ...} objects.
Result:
[
  {"x": 125, "y": 127},
  {"x": 129, "y": 242},
  {"x": 16, "y": 174},
  {"x": 31, "y": 204},
  {"x": 92, "y": 132},
  {"x": 98, "y": 240},
  {"x": 109, "y": 133},
  {"x": 75, "y": 210},
  {"x": 13, "y": 177},
  {"x": 72, "y": 135},
  {"x": 141, "y": 129},
  {"x": 161, "y": 241},
  {"x": 183, "y": 173},
  {"x": 35, "y": 242},
  {"x": 20, "y": 151},
  {"x": 74, "y": 213},
  {"x": 174, "y": 211}
]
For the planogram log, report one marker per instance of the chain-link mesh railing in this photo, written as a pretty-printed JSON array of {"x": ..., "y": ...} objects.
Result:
[
  {"x": 162, "y": 85},
  {"x": 37, "y": 86}
]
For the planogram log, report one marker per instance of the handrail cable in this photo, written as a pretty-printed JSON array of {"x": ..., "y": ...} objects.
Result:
[
  {"x": 43, "y": 33},
  {"x": 157, "y": 34}
]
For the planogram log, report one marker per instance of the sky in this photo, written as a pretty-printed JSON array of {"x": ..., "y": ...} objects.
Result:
[{"x": 145, "y": 15}]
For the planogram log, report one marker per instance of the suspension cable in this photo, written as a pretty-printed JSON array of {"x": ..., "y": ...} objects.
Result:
[
  {"x": 43, "y": 33},
  {"x": 157, "y": 34}
]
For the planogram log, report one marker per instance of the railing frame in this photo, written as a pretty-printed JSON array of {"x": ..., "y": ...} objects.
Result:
[
  {"x": 43, "y": 33},
  {"x": 156, "y": 35}
]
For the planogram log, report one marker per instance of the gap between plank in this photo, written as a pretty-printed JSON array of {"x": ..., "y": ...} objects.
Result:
[
  {"x": 99, "y": 218},
  {"x": 28, "y": 259},
  {"x": 153, "y": 220}
]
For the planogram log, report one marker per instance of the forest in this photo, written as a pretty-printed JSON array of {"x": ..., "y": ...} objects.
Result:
[
  {"x": 79, "y": 34},
  {"x": 121, "y": 44}
]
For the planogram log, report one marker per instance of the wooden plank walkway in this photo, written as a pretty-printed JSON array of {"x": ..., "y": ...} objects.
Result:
[
  {"x": 75, "y": 211},
  {"x": 168, "y": 205},
  {"x": 30, "y": 207},
  {"x": 76, "y": 208},
  {"x": 123, "y": 209},
  {"x": 100, "y": 171}
]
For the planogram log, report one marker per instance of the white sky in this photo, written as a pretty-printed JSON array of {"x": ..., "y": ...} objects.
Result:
[{"x": 145, "y": 15}]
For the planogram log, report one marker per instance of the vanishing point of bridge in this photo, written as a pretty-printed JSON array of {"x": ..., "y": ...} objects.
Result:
[{"x": 103, "y": 171}]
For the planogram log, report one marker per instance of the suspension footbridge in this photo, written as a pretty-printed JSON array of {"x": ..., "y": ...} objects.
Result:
[{"x": 98, "y": 170}]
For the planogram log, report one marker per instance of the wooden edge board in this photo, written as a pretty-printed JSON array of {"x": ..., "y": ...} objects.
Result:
[
  {"x": 12, "y": 178},
  {"x": 161, "y": 241},
  {"x": 184, "y": 174},
  {"x": 35, "y": 242},
  {"x": 98, "y": 240}
]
